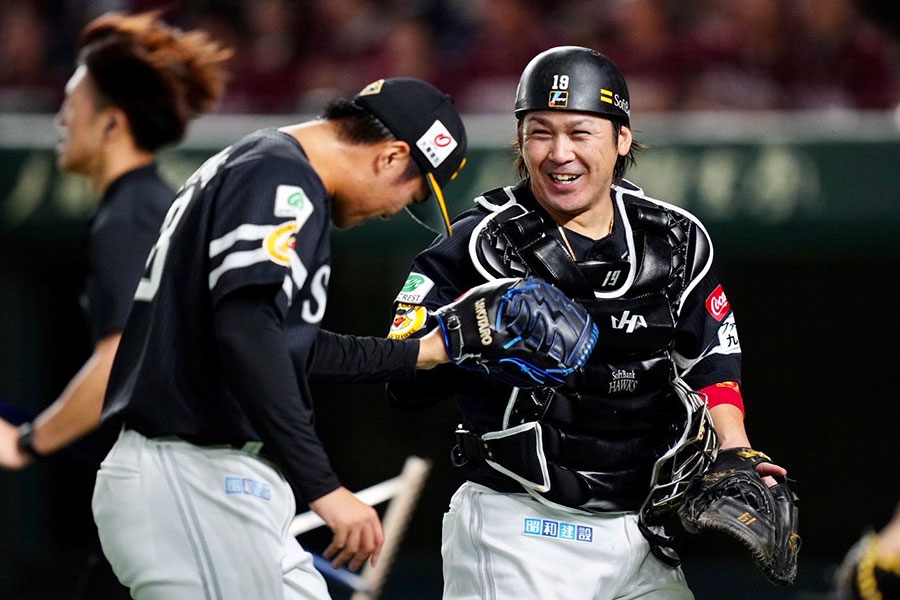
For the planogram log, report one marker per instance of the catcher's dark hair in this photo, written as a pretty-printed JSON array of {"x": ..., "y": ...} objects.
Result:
[
  {"x": 160, "y": 76},
  {"x": 356, "y": 125},
  {"x": 623, "y": 163}
]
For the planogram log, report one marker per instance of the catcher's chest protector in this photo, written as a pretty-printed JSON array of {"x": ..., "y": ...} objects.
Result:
[{"x": 615, "y": 418}]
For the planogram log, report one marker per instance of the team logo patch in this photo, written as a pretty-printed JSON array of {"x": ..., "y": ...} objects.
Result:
[
  {"x": 558, "y": 100},
  {"x": 717, "y": 304},
  {"x": 280, "y": 243},
  {"x": 250, "y": 487},
  {"x": 437, "y": 143},
  {"x": 415, "y": 289},
  {"x": 408, "y": 319},
  {"x": 291, "y": 202},
  {"x": 372, "y": 88},
  {"x": 558, "y": 530},
  {"x": 622, "y": 381},
  {"x": 628, "y": 322}
]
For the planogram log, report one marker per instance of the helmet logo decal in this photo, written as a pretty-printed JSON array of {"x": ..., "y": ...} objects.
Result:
[
  {"x": 606, "y": 96},
  {"x": 558, "y": 100}
]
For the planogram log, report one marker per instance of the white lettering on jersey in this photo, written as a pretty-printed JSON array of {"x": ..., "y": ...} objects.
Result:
[
  {"x": 628, "y": 322},
  {"x": 149, "y": 283},
  {"x": 156, "y": 260},
  {"x": 319, "y": 290}
]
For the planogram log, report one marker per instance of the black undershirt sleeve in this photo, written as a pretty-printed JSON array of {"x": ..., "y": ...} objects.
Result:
[
  {"x": 362, "y": 359},
  {"x": 259, "y": 372}
]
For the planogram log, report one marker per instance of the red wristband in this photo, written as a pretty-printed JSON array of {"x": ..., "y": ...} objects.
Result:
[{"x": 726, "y": 392}]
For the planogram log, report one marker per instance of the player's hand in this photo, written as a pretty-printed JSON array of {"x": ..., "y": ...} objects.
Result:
[
  {"x": 356, "y": 526},
  {"x": 768, "y": 471},
  {"x": 10, "y": 455}
]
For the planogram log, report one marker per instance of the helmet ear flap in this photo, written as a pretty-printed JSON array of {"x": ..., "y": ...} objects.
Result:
[{"x": 573, "y": 78}]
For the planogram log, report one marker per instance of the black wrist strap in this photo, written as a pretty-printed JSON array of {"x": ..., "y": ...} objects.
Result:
[{"x": 26, "y": 441}]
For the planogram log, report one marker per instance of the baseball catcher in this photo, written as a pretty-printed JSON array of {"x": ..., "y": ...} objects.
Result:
[
  {"x": 732, "y": 498},
  {"x": 523, "y": 332}
]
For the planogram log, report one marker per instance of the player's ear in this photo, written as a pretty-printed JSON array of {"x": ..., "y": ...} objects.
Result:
[
  {"x": 116, "y": 122},
  {"x": 624, "y": 141},
  {"x": 393, "y": 156}
]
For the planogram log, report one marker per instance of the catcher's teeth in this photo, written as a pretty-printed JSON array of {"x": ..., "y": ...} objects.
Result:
[{"x": 563, "y": 178}]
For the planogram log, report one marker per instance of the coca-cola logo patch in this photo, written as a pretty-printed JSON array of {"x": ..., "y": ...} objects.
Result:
[{"x": 717, "y": 304}]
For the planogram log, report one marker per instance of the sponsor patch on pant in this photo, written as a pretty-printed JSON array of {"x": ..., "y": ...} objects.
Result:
[
  {"x": 251, "y": 487},
  {"x": 558, "y": 529}
]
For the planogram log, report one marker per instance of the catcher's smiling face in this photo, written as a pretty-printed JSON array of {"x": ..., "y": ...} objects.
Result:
[{"x": 570, "y": 157}]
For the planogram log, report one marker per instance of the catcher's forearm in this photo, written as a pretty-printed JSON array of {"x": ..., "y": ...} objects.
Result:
[{"x": 729, "y": 424}]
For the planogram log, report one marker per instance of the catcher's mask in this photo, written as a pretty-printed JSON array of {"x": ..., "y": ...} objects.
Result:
[
  {"x": 694, "y": 451},
  {"x": 573, "y": 78}
]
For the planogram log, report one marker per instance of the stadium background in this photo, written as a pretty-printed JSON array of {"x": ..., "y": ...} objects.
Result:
[{"x": 776, "y": 121}]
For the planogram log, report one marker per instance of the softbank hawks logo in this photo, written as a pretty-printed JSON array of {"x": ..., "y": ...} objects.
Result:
[
  {"x": 622, "y": 381},
  {"x": 628, "y": 322}
]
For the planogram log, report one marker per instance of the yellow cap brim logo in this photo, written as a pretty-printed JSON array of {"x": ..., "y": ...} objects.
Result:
[{"x": 373, "y": 88}]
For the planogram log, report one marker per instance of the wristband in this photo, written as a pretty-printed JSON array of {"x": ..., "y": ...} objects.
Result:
[{"x": 25, "y": 442}]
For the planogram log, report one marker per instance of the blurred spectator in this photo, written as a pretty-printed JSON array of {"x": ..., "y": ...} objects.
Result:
[
  {"x": 508, "y": 34},
  {"x": 27, "y": 83},
  {"x": 406, "y": 50},
  {"x": 266, "y": 70},
  {"x": 839, "y": 59},
  {"x": 677, "y": 54},
  {"x": 639, "y": 37},
  {"x": 345, "y": 33},
  {"x": 738, "y": 51}
]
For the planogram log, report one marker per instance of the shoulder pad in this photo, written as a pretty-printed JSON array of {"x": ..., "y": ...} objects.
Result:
[
  {"x": 489, "y": 252},
  {"x": 496, "y": 199},
  {"x": 684, "y": 232}
]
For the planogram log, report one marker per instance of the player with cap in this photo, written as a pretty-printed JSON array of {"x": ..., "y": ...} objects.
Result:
[
  {"x": 210, "y": 383},
  {"x": 570, "y": 490}
]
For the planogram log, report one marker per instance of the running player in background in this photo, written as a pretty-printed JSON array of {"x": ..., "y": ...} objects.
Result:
[
  {"x": 210, "y": 383},
  {"x": 138, "y": 84}
]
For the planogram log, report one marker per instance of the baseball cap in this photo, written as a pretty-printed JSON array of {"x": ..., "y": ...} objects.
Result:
[{"x": 425, "y": 118}]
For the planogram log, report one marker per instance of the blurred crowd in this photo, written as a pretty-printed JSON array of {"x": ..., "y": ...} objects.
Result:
[{"x": 293, "y": 55}]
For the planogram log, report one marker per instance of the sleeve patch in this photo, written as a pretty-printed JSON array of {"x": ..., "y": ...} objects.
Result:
[
  {"x": 415, "y": 289},
  {"x": 408, "y": 319},
  {"x": 280, "y": 243},
  {"x": 717, "y": 304},
  {"x": 292, "y": 202},
  {"x": 729, "y": 343}
]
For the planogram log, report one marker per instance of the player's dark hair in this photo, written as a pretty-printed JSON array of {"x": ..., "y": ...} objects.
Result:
[
  {"x": 159, "y": 76},
  {"x": 623, "y": 163},
  {"x": 356, "y": 125}
]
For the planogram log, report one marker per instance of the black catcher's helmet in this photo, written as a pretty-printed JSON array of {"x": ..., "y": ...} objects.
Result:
[{"x": 573, "y": 78}]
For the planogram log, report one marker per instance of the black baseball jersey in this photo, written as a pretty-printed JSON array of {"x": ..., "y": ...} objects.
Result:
[
  {"x": 119, "y": 240},
  {"x": 650, "y": 288},
  {"x": 255, "y": 216}
]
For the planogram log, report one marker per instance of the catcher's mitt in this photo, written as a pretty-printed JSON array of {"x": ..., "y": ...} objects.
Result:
[
  {"x": 732, "y": 498},
  {"x": 524, "y": 332}
]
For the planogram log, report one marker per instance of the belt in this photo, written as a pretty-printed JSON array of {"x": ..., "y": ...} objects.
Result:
[{"x": 253, "y": 448}]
